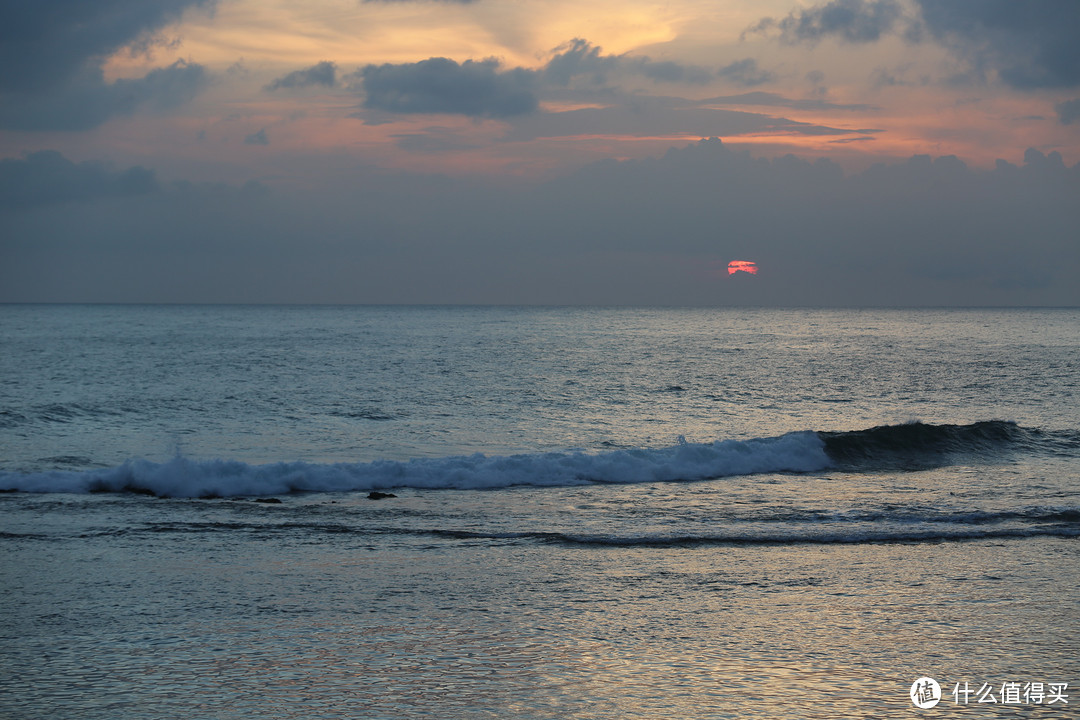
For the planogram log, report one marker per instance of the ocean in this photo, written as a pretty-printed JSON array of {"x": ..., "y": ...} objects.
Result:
[{"x": 502, "y": 512}]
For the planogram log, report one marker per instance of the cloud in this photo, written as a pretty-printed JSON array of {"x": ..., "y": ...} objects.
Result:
[
  {"x": 433, "y": 140},
  {"x": 769, "y": 99},
  {"x": 88, "y": 101},
  {"x": 884, "y": 77},
  {"x": 47, "y": 44},
  {"x": 853, "y": 21},
  {"x": 48, "y": 178},
  {"x": 439, "y": 85},
  {"x": 580, "y": 58},
  {"x": 668, "y": 71},
  {"x": 644, "y": 116},
  {"x": 323, "y": 73},
  {"x": 816, "y": 80},
  {"x": 197, "y": 241},
  {"x": 746, "y": 72},
  {"x": 484, "y": 89},
  {"x": 1027, "y": 44},
  {"x": 257, "y": 138},
  {"x": 835, "y": 238},
  {"x": 929, "y": 231},
  {"x": 1052, "y": 163},
  {"x": 52, "y": 54},
  {"x": 1068, "y": 111}
]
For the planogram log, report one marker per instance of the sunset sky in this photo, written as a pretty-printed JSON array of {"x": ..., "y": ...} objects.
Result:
[{"x": 860, "y": 152}]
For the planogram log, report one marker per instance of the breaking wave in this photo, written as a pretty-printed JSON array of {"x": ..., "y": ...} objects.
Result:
[{"x": 886, "y": 448}]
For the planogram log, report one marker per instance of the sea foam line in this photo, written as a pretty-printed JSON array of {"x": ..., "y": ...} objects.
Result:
[
  {"x": 911, "y": 446},
  {"x": 186, "y": 477}
]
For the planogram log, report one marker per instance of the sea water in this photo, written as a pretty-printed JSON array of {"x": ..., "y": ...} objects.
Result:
[{"x": 592, "y": 513}]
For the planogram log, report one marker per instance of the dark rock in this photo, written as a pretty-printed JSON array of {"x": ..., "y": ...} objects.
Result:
[
  {"x": 376, "y": 495},
  {"x": 269, "y": 501}
]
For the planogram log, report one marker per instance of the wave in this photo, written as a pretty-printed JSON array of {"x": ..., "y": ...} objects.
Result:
[
  {"x": 925, "y": 526},
  {"x": 913, "y": 525},
  {"x": 59, "y": 414},
  {"x": 848, "y": 537},
  {"x": 185, "y": 477},
  {"x": 918, "y": 446},
  {"x": 909, "y": 446}
]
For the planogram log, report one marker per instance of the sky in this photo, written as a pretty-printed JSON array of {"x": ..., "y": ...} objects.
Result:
[{"x": 860, "y": 152}]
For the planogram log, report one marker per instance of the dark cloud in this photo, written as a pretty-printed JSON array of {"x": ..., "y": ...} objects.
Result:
[
  {"x": 1052, "y": 163},
  {"x": 204, "y": 241},
  {"x": 1031, "y": 44},
  {"x": 323, "y": 73},
  {"x": 668, "y": 71},
  {"x": 440, "y": 85},
  {"x": 485, "y": 89},
  {"x": 746, "y": 72},
  {"x": 1027, "y": 45},
  {"x": 580, "y": 58},
  {"x": 929, "y": 231},
  {"x": 257, "y": 138},
  {"x": 1068, "y": 111},
  {"x": 834, "y": 239},
  {"x": 854, "y": 21},
  {"x": 48, "y": 178},
  {"x": 52, "y": 53},
  {"x": 87, "y": 101},
  {"x": 482, "y": 89},
  {"x": 47, "y": 44}
]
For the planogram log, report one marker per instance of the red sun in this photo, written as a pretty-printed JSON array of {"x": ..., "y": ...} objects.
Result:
[{"x": 741, "y": 266}]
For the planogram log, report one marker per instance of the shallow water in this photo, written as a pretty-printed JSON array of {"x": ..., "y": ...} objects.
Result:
[{"x": 230, "y": 609}]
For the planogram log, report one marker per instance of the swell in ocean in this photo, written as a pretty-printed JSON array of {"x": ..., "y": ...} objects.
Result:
[
  {"x": 910, "y": 525},
  {"x": 929, "y": 527},
  {"x": 910, "y": 446}
]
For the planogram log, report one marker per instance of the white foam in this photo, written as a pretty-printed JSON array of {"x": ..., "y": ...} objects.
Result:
[{"x": 185, "y": 477}]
